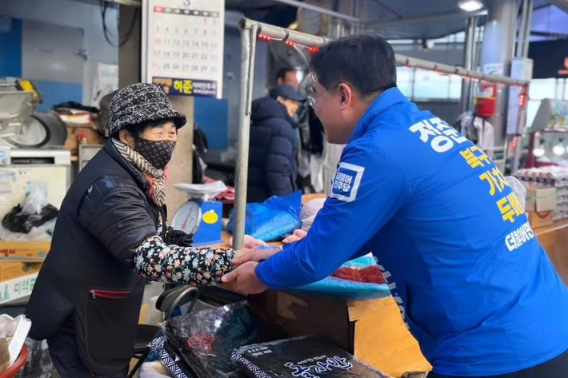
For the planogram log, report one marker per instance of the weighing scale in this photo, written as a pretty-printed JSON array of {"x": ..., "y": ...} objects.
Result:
[{"x": 201, "y": 216}]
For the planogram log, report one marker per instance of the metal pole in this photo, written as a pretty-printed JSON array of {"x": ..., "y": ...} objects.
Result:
[
  {"x": 356, "y": 27},
  {"x": 498, "y": 50},
  {"x": 523, "y": 46},
  {"x": 444, "y": 68},
  {"x": 248, "y": 43},
  {"x": 282, "y": 34},
  {"x": 528, "y": 27},
  {"x": 521, "y": 35},
  {"x": 314, "y": 8},
  {"x": 469, "y": 57}
]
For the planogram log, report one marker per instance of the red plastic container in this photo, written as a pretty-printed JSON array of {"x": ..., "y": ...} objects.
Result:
[{"x": 18, "y": 365}]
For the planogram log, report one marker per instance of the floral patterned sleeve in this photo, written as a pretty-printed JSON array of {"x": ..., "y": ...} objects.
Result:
[{"x": 157, "y": 261}]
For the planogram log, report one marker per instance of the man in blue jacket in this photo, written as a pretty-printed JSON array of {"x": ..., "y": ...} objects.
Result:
[{"x": 473, "y": 284}]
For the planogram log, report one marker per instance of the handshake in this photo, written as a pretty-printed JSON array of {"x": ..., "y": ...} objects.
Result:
[
  {"x": 243, "y": 276},
  {"x": 258, "y": 250}
]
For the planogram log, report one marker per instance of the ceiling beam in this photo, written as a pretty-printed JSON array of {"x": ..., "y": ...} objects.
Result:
[
  {"x": 422, "y": 19},
  {"x": 299, "y": 4},
  {"x": 131, "y": 3},
  {"x": 562, "y": 4}
]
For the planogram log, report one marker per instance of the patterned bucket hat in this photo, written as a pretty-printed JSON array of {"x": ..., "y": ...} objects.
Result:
[{"x": 139, "y": 103}]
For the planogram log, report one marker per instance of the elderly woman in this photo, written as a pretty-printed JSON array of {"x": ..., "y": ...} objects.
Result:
[{"x": 111, "y": 234}]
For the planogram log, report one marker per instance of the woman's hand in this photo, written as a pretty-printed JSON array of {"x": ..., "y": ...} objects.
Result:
[
  {"x": 245, "y": 255},
  {"x": 296, "y": 236},
  {"x": 251, "y": 243}
]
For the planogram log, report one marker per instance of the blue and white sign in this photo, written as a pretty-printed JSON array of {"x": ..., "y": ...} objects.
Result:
[{"x": 346, "y": 182}]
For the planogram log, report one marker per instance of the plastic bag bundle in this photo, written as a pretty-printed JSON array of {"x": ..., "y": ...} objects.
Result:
[
  {"x": 39, "y": 364},
  {"x": 154, "y": 369},
  {"x": 306, "y": 357},
  {"x": 337, "y": 288},
  {"x": 273, "y": 219},
  {"x": 35, "y": 214},
  {"x": 309, "y": 212},
  {"x": 519, "y": 189},
  {"x": 206, "y": 339}
]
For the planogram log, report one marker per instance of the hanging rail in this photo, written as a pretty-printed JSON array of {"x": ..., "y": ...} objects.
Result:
[{"x": 293, "y": 36}]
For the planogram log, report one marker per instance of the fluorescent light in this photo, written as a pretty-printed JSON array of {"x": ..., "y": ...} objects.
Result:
[
  {"x": 558, "y": 150},
  {"x": 538, "y": 152},
  {"x": 470, "y": 5}
]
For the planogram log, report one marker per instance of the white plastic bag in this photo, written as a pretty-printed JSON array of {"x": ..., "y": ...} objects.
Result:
[
  {"x": 35, "y": 201},
  {"x": 309, "y": 211},
  {"x": 153, "y": 370},
  {"x": 519, "y": 189}
]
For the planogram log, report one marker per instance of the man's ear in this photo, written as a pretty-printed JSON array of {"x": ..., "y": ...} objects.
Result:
[{"x": 346, "y": 94}]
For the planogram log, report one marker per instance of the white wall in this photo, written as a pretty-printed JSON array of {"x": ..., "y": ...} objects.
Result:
[{"x": 82, "y": 14}]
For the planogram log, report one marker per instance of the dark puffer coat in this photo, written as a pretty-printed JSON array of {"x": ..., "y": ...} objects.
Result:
[
  {"x": 89, "y": 272},
  {"x": 273, "y": 167}
]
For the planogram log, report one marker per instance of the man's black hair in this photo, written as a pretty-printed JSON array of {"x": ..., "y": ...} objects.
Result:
[
  {"x": 282, "y": 72},
  {"x": 365, "y": 62},
  {"x": 137, "y": 129}
]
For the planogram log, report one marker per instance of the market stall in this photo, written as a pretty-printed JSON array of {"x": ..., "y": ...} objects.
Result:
[
  {"x": 352, "y": 324},
  {"x": 251, "y": 31},
  {"x": 355, "y": 325},
  {"x": 371, "y": 329},
  {"x": 547, "y": 208}
]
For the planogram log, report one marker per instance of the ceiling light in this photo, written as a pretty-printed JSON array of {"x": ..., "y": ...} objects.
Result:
[
  {"x": 538, "y": 152},
  {"x": 470, "y": 5},
  {"x": 558, "y": 150}
]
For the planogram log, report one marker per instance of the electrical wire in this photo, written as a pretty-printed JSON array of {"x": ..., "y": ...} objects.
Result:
[{"x": 122, "y": 39}]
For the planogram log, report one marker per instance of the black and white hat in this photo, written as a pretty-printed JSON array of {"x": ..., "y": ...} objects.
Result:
[{"x": 139, "y": 103}]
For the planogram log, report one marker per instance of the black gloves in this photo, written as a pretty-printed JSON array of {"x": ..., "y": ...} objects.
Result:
[{"x": 177, "y": 237}]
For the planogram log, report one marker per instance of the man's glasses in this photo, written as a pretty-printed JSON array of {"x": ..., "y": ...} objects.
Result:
[{"x": 312, "y": 95}]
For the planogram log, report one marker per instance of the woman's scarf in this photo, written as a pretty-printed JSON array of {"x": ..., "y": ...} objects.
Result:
[{"x": 156, "y": 177}]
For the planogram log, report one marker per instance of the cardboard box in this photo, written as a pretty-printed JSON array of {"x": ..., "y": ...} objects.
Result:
[
  {"x": 17, "y": 288},
  {"x": 541, "y": 219},
  {"x": 24, "y": 251},
  {"x": 371, "y": 330},
  {"x": 71, "y": 144},
  {"x": 541, "y": 199},
  {"x": 11, "y": 270}
]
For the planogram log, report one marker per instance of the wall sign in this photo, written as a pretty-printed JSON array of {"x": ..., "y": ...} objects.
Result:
[{"x": 183, "y": 46}]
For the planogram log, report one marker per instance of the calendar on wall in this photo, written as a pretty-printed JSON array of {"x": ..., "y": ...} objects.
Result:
[{"x": 183, "y": 46}]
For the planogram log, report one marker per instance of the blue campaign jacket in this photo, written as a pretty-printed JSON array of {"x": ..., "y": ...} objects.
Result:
[{"x": 474, "y": 285}]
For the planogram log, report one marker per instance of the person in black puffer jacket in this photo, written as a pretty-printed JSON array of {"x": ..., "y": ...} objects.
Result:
[
  {"x": 110, "y": 236},
  {"x": 273, "y": 166}
]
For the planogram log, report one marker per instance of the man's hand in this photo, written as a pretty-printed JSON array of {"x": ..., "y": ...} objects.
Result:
[
  {"x": 245, "y": 255},
  {"x": 296, "y": 236},
  {"x": 250, "y": 242},
  {"x": 245, "y": 280},
  {"x": 242, "y": 252}
]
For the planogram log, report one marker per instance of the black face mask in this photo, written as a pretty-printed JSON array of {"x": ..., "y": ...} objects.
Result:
[{"x": 157, "y": 152}]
